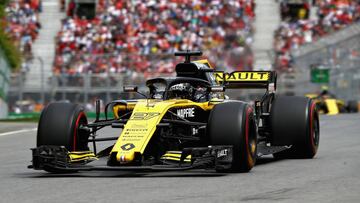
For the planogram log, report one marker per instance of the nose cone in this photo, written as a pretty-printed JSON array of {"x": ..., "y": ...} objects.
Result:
[{"x": 125, "y": 158}]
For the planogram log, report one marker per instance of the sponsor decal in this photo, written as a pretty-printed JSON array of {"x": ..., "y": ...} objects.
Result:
[
  {"x": 143, "y": 115},
  {"x": 136, "y": 130},
  {"x": 179, "y": 87},
  {"x": 241, "y": 76},
  {"x": 222, "y": 153},
  {"x": 128, "y": 146},
  {"x": 138, "y": 126},
  {"x": 186, "y": 113}
]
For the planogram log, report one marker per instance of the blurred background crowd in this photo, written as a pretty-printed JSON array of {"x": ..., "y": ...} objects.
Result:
[
  {"x": 134, "y": 40},
  {"x": 124, "y": 35},
  {"x": 297, "y": 29},
  {"x": 23, "y": 26},
  {"x": 137, "y": 36}
]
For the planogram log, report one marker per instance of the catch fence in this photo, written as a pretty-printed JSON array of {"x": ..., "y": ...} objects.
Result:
[
  {"x": 84, "y": 78},
  {"x": 4, "y": 84},
  {"x": 339, "y": 53}
]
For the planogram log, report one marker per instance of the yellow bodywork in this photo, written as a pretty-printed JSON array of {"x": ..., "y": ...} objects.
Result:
[
  {"x": 148, "y": 113},
  {"x": 204, "y": 61},
  {"x": 141, "y": 126},
  {"x": 332, "y": 105},
  {"x": 81, "y": 156},
  {"x": 242, "y": 76},
  {"x": 174, "y": 156}
]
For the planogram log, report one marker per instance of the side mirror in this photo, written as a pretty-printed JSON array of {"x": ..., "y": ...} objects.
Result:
[
  {"x": 217, "y": 89},
  {"x": 134, "y": 89},
  {"x": 130, "y": 89}
]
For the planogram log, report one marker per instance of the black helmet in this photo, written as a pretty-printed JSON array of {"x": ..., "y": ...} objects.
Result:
[{"x": 181, "y": 91}]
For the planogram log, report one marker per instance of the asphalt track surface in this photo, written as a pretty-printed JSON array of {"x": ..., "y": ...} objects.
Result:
[{"x": 333, "y": 176}]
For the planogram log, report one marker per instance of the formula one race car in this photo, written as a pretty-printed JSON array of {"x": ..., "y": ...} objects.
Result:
[
  {"x": 185, "y": 122},
  {"x": 327, "y": 103},
  {"x": 330, "y": 105}
]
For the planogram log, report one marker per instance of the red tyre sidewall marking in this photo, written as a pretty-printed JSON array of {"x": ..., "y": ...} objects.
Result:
[
  {"x": 76, "y": 128},
  {"x": 248, "y": 111},
  {"x": 311, "y": 126}
]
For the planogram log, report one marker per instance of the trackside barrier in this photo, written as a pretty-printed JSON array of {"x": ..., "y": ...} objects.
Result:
[
  {"x": 338, "y": 52},
  {"x": 4, "y": 84},
  {"x": 106, "y": 82},
  {"x": 35, "y": 116}
]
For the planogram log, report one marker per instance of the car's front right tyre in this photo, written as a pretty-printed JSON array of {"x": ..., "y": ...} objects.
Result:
[{"x": 233, "y": 123}]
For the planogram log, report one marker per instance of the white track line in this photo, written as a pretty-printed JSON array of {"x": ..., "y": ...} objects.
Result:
[{"x": 18, "y": 131}]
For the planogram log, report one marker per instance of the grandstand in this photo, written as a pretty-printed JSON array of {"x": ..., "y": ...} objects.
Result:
[
  {"x": 267, "y": 21},
  {"x": 98, "y": 40},
  {"x": 79, "y": 50},
  {"x": 23, "y": 27},
  {"x": 102, "y": 43},
  {"x": 44, "y": 46},
  {"x": 298, "y": 29}
]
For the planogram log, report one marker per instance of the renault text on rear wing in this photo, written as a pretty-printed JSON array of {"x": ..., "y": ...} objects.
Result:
[{"x": 246, "y": 79}]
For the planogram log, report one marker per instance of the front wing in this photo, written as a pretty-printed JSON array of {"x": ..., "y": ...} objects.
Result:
[{"x": 58, "y": 158}]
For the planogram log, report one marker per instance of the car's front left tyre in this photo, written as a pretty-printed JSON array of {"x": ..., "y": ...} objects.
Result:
[{"x": 59, "y": 125}]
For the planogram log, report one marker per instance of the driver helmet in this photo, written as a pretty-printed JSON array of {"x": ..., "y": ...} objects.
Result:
[
  {"x": 181, "y": 90},
  {"x": 324, "y": 89}
]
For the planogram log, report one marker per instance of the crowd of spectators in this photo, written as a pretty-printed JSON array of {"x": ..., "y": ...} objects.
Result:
[
  {"x": 332, "y": 15},
  {"x": 22, "y": 25},
  {"x": 139, "y": 36}
]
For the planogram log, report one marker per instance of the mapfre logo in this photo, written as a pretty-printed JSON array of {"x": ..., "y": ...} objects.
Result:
[{"x": 186, "y": 113}]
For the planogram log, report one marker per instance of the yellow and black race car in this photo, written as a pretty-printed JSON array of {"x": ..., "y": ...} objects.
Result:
[
  {"x": 185, "y": 122},
  {"x": 327, "y": 103}
]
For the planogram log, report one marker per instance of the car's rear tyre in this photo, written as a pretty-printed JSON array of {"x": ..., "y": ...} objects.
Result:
[
  {"x": 233, "y": 123},
  {"x": 59, "y": 126},
  {"x": 353, "y": 106},
  {"x": 295, "y": 121}
]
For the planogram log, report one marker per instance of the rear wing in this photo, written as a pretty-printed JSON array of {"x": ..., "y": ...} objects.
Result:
[{"x": 247, "y": 79}]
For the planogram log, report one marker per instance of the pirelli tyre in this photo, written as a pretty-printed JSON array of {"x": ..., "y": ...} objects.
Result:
[
  {"x": 295, "y": 122},
  {"x": 233, "y": 123},
  {"x": 59, "y": 125}
]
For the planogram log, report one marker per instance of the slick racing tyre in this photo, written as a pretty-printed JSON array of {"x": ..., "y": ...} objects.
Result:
[
  {"x": 59, "y": 126},
  {"x": 233, "y": 123},
  {"x": 352, "y": 107},
  {"x": 295, "y": 122}
]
